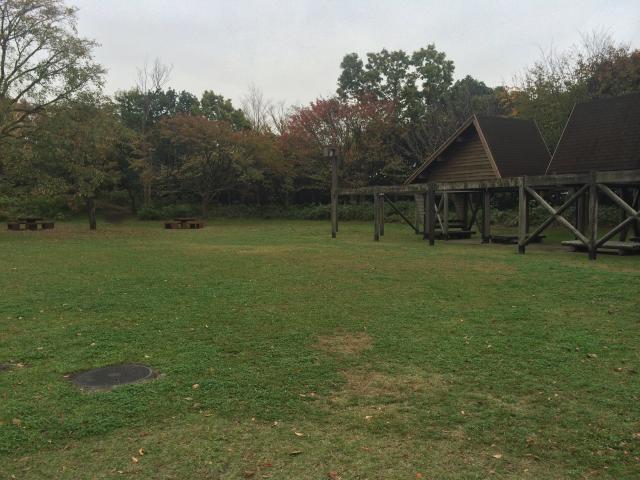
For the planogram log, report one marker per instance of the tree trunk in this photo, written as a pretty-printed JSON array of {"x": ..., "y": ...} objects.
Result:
[
  {"x": 132, "y": 201},
  {"x": 91, "y": 212},
  {"x": 204, "y": 207}
]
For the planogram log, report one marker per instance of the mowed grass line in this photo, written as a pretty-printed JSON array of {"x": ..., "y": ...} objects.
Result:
[{"x": 392, "y": 359}]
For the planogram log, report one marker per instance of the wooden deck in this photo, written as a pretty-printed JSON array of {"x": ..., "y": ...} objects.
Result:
[{"x": 580, "y": 192}]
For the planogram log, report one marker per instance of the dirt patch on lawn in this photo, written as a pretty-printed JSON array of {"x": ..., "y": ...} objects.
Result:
[
  {"x": 345, "y": 343},
  {"x": 377, "y": 384}
]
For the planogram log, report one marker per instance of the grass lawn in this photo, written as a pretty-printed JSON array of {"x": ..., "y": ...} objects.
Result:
[{"x": 285, "y": 354}]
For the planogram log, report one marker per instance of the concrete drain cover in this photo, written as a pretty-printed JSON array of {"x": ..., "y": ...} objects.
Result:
[{"x": 112, "y": 376}]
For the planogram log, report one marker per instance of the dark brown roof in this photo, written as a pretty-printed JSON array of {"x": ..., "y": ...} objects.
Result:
[
  {"x": 602, "y": 134},
  {"x": 514, "y": 145}
]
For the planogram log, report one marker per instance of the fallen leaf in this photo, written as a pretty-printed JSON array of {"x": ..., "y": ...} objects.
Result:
[
  {"x": 134, "y": 460},
  {"x": 298, "y": 434},
  {"x": 368, "y": 417},
  {"x": 592, "y": 355},
  {"x": 17, "y": 422},
  {"x": 618, "y": 369},
  {"x": 141, "y": 451},
  {"x": 418, "y": 475},
  {"x": 498, "y": 456},
  {"x": 295, "y": 452},
  {"x": 333, "y": 475},
  {"x": 195, "y": 386}
]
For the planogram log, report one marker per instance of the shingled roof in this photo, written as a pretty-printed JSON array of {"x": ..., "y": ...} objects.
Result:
[
  {"x": 514, "y": 146},
  {"x": 602, "y": 134}
]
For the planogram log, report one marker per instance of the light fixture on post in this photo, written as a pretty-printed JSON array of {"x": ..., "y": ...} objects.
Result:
[{"x": 330, "y": 152}]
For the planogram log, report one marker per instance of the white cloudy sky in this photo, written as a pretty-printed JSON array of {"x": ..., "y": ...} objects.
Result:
[{"x": 292, "y": 49}]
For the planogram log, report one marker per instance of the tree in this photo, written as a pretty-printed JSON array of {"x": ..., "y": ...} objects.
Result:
[
  {"x": 360, "y": 129},
  {"x": 412, "y": 83},
  {"x": 76, "y": 149},
  {"x": 547, "y": 91},
  {"x": 416, "y": 84},
  {"x": 216, "y": 107},
  {"x": 187, "y": 104},
  {"x": 257, "y": 109},
  {"x": 202, "y": 154},
  {"x": 43, "y": 61}
]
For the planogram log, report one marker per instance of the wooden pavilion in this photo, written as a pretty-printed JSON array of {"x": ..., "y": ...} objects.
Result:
[
  {"x": 598, "y": 155},
  {"x": 483, "y": 148}
]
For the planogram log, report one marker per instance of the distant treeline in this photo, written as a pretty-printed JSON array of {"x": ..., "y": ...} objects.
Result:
[{"x": 151, "y": 147}]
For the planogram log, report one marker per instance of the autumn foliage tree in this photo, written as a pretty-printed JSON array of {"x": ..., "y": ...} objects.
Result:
[
  {"x": 359, "y": 128},
  {"x": 202, "y": 155}
]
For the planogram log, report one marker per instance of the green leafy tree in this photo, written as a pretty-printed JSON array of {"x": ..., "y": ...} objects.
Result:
[
  {"x": 414, "y": 83},
  {"x": 216, "y": 107},
  {"x": 76, "y": 149}
]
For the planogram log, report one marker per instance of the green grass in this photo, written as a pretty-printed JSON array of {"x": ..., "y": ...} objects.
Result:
[{"x": 393, "y": 359}]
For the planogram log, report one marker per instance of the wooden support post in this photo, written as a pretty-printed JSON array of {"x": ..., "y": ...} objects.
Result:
[
  {"x": 416, "y": 220},
  {"x": 580, "y": 216},
  {"x": 376, "y": 217},
  {"x": 527, "y": 216},
  {"x": 522, "y": 215},
  {"x": 445, "y": 215},
  {"x": 431, "y": 217},
  {"x": 636, "y": 204},
  {"x": 419, "y": 201},
  {"x": 593, "y": 218},
  {"x": 486, "y": 216},
  {"x": 465, "y": 208},
  {"x": 427, "y": 214},
  {"x": 381, "y": 205},
  {"x": 334, "y": 196}
]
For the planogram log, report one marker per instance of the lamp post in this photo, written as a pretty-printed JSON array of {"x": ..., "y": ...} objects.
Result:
[{"x": 330, "y": 152}]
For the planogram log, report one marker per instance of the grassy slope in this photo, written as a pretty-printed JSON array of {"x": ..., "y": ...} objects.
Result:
[{"x": 394, "y": 360}]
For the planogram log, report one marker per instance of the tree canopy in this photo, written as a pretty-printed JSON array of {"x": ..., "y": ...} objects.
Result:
[{"x": 43, "y": 61}]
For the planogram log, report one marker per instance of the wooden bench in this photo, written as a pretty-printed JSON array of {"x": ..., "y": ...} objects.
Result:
[
  {"x": 190, "y": 224},
  {"x": 513, "y": 239},
  {"x": 455, "y": 234},
  {"x": 612, "y": 246},
  {"x": 30, "y": 225}
]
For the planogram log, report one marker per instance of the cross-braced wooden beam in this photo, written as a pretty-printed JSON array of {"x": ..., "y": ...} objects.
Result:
[
  {"x": 556, "y": 214},
  {"x": 633, "y": 214}
]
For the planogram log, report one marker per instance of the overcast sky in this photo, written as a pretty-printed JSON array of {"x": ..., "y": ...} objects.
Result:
[{"x": 292, "y": 49}]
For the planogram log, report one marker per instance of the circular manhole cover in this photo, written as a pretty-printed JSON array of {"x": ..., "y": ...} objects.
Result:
[{"x": 112, "y": 376}]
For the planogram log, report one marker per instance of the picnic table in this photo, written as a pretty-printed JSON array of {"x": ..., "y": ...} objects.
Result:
[
  {"x": 184, "y": 222},
  {"x": 30, "y": 223}
]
